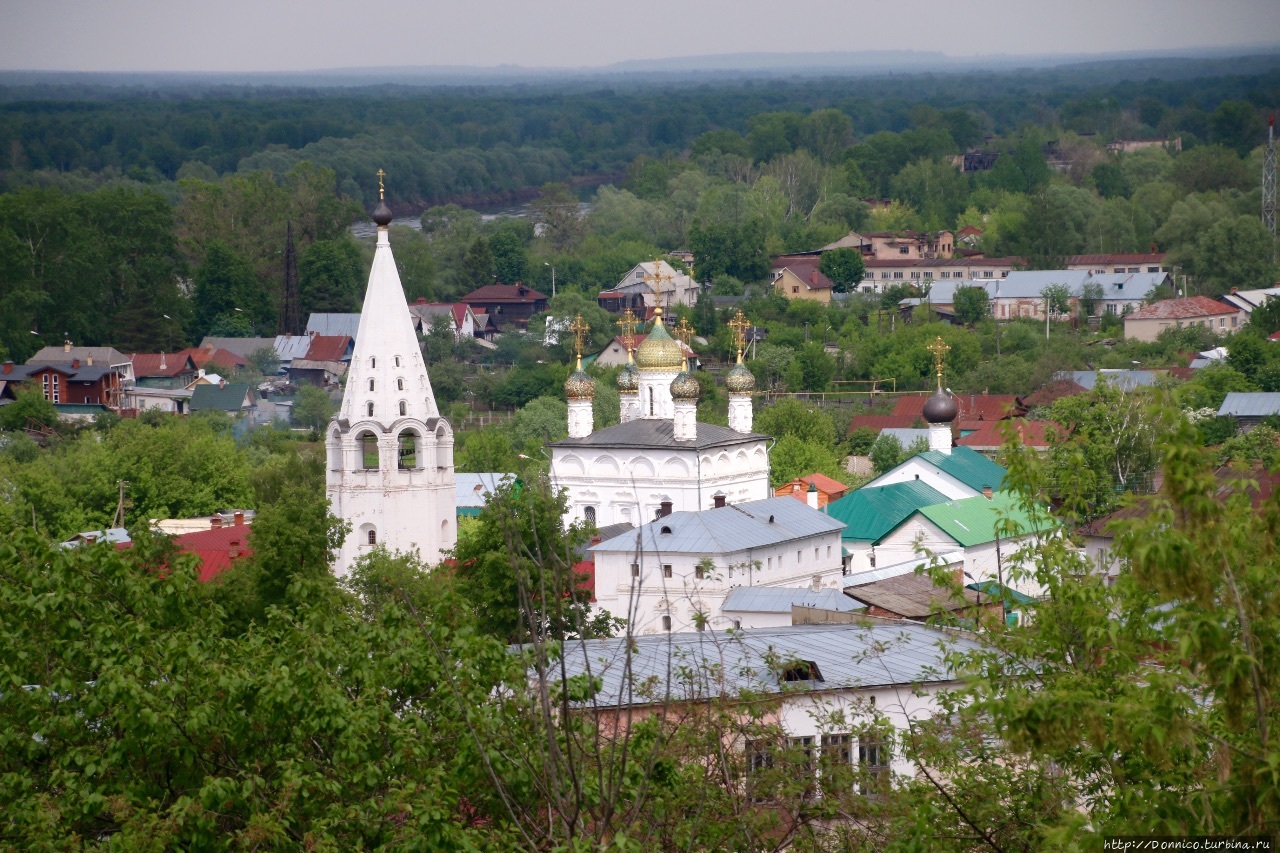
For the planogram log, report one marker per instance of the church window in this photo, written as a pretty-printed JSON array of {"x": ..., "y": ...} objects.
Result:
[
  {"x": 368, "y": 450},
  {"x": 397, "y": 361},
  {"x": 815, "y": 553},
  {"x": 373, "y": 361},
  {"x": 373, "y": 536},
  {"x": 665, "y": 530},
  {"x": 369, "y": 408},
  {"x": 666, "y": 623},
  {"x": 798, "y": 557},
  {"x": 699, "y": 572},
  {"x": 399, "y": 383},
  {"x": 408, "y": 456},
  {"x": 666, "y": 570},
  {"x": 650, "y": 402},
  {"x": 635, "y": 570},
  {"x": 589, "y": 513},
  {"x": 404, "y": 408}
]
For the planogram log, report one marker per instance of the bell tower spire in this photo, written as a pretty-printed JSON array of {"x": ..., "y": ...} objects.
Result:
[{"x": 389, "y": 453}]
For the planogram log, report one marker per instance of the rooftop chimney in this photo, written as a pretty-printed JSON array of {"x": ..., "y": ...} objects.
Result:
[
  {"x": 664, "y": 509},
  {"x": 215, "y": 523},
  {"x": 75, "y": 363},
  {"x": 66, "y": 345},
  {"x": 812, "y": 497},
  {"x": 222, "y": 383},
  {"x": 163, "y": 365},
  {"x": 718, "y": 500},
  {"x": 233, "y": 549},
  {"x": 89, "y": 359},
  {"x": 8, "y": 367},
  {"x": 239, "y": 518},
  {"x": 986, "y": 492}
]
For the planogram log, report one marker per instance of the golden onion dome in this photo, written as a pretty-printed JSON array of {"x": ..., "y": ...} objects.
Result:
[
  {"x": 685, "y": 387},
  {"x": 579, "y": 386},
  {"x": 660, "y": 351},
  {"x": 740, "y": 380},
  {"x": 629, "y": 379}
]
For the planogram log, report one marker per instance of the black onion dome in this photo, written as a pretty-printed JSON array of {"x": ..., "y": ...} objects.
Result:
[
  {"x": 382, "y": 214},
  {"x": 940, "y": 408}
]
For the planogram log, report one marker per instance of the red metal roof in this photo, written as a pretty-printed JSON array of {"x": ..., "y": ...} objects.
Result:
[
  {"x": 821, "y": 481},
  {"x": 504, "y": 293},
  {"x": 805, "y": 269},
  {"x": 204, "y": 357},
  {"x": 1186, "y": 308},
  {"x": 879, "y": 422},
  {"x": 328, "y": 347},
  {"x": 1054, "y": 390},
  {"x": 991, "y": 433},
  {"x": 149, "y": 363}
]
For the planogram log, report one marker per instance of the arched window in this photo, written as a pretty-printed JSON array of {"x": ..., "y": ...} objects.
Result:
[
  {"x": 368, "y": 451},
  {"x": 408, "y": 447},
  {"x": 370, "y": 384},
  {"x": 404, "y": 408},
  {"x": 373, "y": 536},
  {"x": 373, "y": 361},
  {"x": 666, "y": 623},
  {"x": 589, "y": 513},
  {"x": 650, "y": 402},
  {"x": 369, "y": 408},
  {"x": 397, "y": 361},
  {"x": 399, "y": 383}
]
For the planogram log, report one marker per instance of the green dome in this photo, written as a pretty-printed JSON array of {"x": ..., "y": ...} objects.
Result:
[
  {"x": 740, "y": 380},
  {"x": 579, "y": 386},
  {"x": 660, "y": 351},
  {"x": 629, "y": 379},
  {"x": 685, "y": 387}
]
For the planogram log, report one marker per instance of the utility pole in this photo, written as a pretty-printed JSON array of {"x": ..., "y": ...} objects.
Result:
[
  {"x": 1269, "y": 184},
  {"x": 118, "y": 521}
]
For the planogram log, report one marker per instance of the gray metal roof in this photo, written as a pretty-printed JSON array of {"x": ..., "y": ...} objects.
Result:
[
  {"x": 652, "y": 668},
  {"x": 1250, "y": 404},
  {"x": 659, "y": 432},
  {"x": 905, "y": 435},
  {"x": 1027, "y": 284},
  {"x": 83, "y": 373},
  {"x": 726, "y": 530},
  {"x": 780, "y": 599},
  {"x": 1133, "y": 285},
  {"x": 289, "y": 347},
  {"x": 904, "y": 568},
  {"x": 334, "y": 324},
  {"x": 1126, "y": 380},
  {"x": 1250, "y": 299},
  {"x": 473, "y": 489},
  {"x": 103, "y": 355}
]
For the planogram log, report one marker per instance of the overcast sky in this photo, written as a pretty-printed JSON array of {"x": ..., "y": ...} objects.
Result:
[{"x": 296, "y": 35}]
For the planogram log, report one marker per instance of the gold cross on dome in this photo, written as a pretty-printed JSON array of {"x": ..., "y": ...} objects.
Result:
[
  {"x": 382, "y": 190},
  {"x": 683, "y": 331},
  {"x": 740, "y": 324},
  {"x": 939, "y": 349},
  {"x": 579, "y": 328},
  {"x": 655, "y": 281},
  {"x": 627, "y": 325}
]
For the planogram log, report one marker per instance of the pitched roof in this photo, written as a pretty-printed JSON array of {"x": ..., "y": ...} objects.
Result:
[
  {"x": 824, "y": 483},
  {"x": 516, "y": 293},
  {"x": 911, "y": 596},
  {"x": 472, "y": 489},
  {"x": 881, "y": 422},
  {"x": 726, "y": 530},
  {"x": 289, "y": 347},
  {"x": 240, "y": 346},
  {"x": 660, "y": 433},
  {"x": 1250, "y": 404},
  {"x": 871, "y": 513},
  {"x": 1181, "y": 309},
  {"x": 968, "y": 466},
  {"x": 216, "y": 548},
  {"x": 101, "y": 355},
  {"x": 203, "y": 357},
  {"x": 1125, "y": 380},
  {"x": 805, "y": 269},
  {"x": 1056, "y": 389},
  {"x": 161, "y": 364},
  {"x": 973, "y": 407},
  {"x": 780, "y": 599},
  {"x": 979, "y": 520},
  {"x": 989, "y": 435},
  {"x": 328, "y": 348},
  {"x": 637, "y": 670},
  {"x": 226, "y": 398},
  {"x": 347, "y": 323},
  {"x": 1130, "y": 285},
  {"x": 80, "y": 373}
]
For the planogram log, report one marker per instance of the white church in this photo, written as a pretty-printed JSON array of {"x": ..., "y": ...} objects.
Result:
[
  {"x": 659, "y": 459},
  {"x": 389, "y": 452}
]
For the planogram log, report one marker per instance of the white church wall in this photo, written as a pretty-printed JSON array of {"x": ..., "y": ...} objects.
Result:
[{"x": 917, "y": 469}]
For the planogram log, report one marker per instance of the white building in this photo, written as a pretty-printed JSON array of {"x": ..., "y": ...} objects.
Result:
[
  {"x": 657, "y": 284},
  {"x": 673, "y": 573},
  {"x": 659, "y": 455},
  {"x": 389, "y": 452}
]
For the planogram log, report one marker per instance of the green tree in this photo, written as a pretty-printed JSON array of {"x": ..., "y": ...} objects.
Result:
[
  {"x": 223, "y": 284},
  {"x": 312, "y": 408},
  {"x": 844, "y": 267},
  {"x": 725, "y": 249},
  {"x": 794, "y": 457},
  {"x": 971, "y": 305},
  {"x": 789, "y": 416},
  {"x": 1237, "y": 125},
  {"x": 28, "y": 404},
  {"x": 330, "y": 276},
  {"x": 510, "y": 253},
  {"x": 814, "y": 368},
  {"x": 478, "y": 268}
]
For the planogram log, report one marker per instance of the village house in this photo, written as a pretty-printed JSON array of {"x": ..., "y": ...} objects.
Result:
[
  {"x": 881, "y": 273},
  {"x": 754, "y": 607},
  {"x": 650, "y": 285},
  {"x": 1250, "y": 408},
  {"x": 798, "y": 277},
  {"x": 815, "y": 489},
  {"x": 507, "y": 304},
  {"x": 1147, "y": 323}
]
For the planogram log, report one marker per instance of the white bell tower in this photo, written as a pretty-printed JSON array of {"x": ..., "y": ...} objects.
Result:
[{"x": 389, "y": 453}]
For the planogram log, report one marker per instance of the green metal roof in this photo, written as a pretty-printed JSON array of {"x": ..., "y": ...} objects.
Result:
[
  {"x": 968, "y": 466},
  {"x": 229, "y": 398},
  {"x": 871, "y": 513},
  {"x": 973, "y": 521}
]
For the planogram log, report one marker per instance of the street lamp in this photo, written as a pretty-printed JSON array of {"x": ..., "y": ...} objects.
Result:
[{"x": 553, "y": 278}]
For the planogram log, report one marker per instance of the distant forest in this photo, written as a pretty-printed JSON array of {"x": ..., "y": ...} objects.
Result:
[{"x": 466, "y": 144}]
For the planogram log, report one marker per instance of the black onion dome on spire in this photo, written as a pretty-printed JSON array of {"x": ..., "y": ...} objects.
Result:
[
  {"x": 941, "y": 408},
  {"x": 382, "y": 214}
]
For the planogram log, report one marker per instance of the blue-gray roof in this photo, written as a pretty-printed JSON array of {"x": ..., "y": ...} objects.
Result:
[
  {"x": 660, "y": 433},
  {"x": 1250, "y": 404},
  {"x": 780, "y": 599},
  {"x": 651, "y": 668},
  {"x": 334, "y": 324},
  {"x": 1125, "y": 380},
  {"x": 472, "y": 489},
  {"x": 1133, "y": 285},
  {"x": 905, "y": 435},
  {"x": 726, "y": 530}
]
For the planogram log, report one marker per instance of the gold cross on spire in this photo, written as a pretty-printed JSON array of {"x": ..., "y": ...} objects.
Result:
[
  {"x": 627, "y": 325},
  {"x": 655, "y": 284},
  {"x": 579, "y": 328},
  {"x": 684, "y": 334},
  {"x": 939, "y": 349},
  {"x": 382, "y": 190},
  {"x": 740, "y": 324}
]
